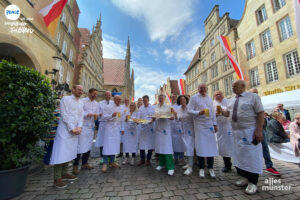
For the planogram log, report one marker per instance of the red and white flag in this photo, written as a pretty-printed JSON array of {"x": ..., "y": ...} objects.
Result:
[
  {"x": 226, "y": 46},
  {"x": 168, "y": 98},
  {"x": 181, "y": 86},
  {"x": 51, "y": 14},
  {"x": 297, "y": 16}
]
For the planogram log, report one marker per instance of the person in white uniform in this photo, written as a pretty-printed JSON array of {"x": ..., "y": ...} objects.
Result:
[
  {"x": 247, "y": 114},
  {"x": 103, "y": 105},
  {"x": 66, "y": 140},
  {"x": 177, "y": 142},
  {"x": 130, "y": 139},
  {"x": 112, "y": 137},
  {"x": 147, "y": 135},
  {"x": 205, "y": 127},
  {"x": 125, "y": 109},
  {"x": 188, "y": 136},
  {"x": 163, "y": 138},
  {"x": 91, "y": 112},
  {"x": 224, "y": 134}
]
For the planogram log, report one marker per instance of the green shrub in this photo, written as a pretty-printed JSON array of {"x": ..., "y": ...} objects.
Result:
[{"x": 26, "y": 112}]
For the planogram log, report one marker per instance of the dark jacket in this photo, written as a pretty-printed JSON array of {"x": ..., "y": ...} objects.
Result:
[
  {"x": 276, "y": 132},
  {"x": 286, "y": 114}
]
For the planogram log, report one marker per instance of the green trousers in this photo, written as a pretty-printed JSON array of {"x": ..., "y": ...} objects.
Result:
[
  {"x": 166, "y": 160},
  {"x": 60, "y": 170}
]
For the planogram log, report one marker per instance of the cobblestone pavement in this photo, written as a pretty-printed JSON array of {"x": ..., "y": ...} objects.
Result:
[{"x": 132, "y": 182}]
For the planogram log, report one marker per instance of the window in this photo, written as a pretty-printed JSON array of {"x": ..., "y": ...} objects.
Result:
[
  {"x": 58, "y": 38},
  {"x": 266, "y": 40},
  {"x": 203, "y": 50},
  {"x": 68, "y": 78},
  {"x": 204, "y": 64},
  {"x": 63, "y": 17},
  {"x": 70, "y": 29},
  {"x": 271, "y": 71},
  {"x": 212, "y": 42},
  {"x": 214, "y": 71},
  {"x": 71, "y": 55},
  {"x": 222, "y": 30},
  {"x": 292, "y": 63},
  {"x": 215, "y": 86},
  {"x": 250, "y": 49},
  {"x": 64, "y": 47},
  {"x": 204, "y": 77},
  {"x": 277, "y": 4},
  {"x": 227, "y": 64},
  {"x": 228, "y": 81},
  {"x": 261, "y": 15},
  {"x": 285, "y": 28},
  {"x": 213, "y": 57},
  {"x": 254, "y": 77},
  {"x": 61, "y": 74}
]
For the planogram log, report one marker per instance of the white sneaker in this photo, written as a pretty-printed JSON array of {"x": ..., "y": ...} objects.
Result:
[
  {"x": 125, "y": 160},
  {"x": 132, "y": 161},
  {"x": 201, "y": 173},
  {"x": 241, "y": 183},
  {"x": 171, "y": 172},
  {"x": 188, "y": 171},
  {"x": 251, "y": 189},
  {"x": 158, "y": 168},
  {"x": 185, "y": 166},
  {"x": 212, "y": 173}
]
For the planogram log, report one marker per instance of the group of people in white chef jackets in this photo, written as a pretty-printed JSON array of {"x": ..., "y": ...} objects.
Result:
[{"x": 187, "y": 126}]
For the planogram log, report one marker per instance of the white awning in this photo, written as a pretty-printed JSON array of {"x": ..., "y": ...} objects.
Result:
[{"x": 288, "y": 99}]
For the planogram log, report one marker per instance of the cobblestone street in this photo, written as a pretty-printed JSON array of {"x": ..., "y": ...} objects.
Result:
[{"x": 132, "y": 182}]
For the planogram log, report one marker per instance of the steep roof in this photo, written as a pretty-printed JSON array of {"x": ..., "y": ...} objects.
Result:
[
  {"x": 194, "y": 60},
  {"x": 174, "y": 87},
  {"x": 114, "y": 71}
]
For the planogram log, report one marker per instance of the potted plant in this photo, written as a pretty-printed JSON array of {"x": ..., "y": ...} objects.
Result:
[{"x": 26, "y": 104}]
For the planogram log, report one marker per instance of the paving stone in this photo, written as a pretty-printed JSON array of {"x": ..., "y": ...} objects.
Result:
[{"x": 155, "y": 195}]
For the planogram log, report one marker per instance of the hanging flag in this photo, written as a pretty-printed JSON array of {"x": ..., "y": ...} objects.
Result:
[
  {"x": 51, "y": 14},
  {"x": 181, "y": 86},
  {"x": 297, "y": 16},
  {"x": 132, "y": 99},
  {"x": 226, "y": 46},
  {"x": 168, "y": 98}
]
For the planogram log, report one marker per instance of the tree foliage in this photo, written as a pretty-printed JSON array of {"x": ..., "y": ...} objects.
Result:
[{"x": 26, "y": 113}]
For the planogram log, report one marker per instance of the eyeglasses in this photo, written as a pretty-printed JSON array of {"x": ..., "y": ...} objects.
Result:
[{"x": 297, "y": 118}]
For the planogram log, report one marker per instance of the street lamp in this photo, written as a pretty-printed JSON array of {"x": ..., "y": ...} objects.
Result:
[{"x": 57, "y": 62}]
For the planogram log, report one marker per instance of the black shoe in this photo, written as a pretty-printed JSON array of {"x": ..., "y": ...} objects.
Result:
[{"x": 226, "y": 169}]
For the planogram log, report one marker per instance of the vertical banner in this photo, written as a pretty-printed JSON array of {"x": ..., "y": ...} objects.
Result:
[
  {"x": 181, "y": 86},
  {"x": 168, "y": 98},
  {"x": 226, "y": 46}
]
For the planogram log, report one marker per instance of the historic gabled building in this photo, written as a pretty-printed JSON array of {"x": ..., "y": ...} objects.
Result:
[
  {"x": 268, "y": 47},
  {"x": 118, "y": 75},
  {"x": 89, "y": 72},
  {"x": 210, "y": 64}
]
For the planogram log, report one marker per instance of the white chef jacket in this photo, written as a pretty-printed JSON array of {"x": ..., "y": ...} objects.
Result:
[
  {"x": 130, "y": 138},
  {"x": 65, "y": 143},
  {"x": 147, "y": 134}
]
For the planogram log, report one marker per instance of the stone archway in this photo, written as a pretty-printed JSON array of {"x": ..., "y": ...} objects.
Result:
[{"x": 14, "y": 50}]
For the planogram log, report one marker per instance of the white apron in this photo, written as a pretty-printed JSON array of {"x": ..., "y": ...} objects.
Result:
[
  {"x": 100, "y": 134},
  {"x": 65, "y": 145},
  {"x": 247, "y": 156},
  {"x": 85, "y": 142},
  {"x": 177, "y": 136},
  {"x": 130, "y": 137},
  {"x": 146, "y": 137},
  {"x": 205, "y": 139},
  {"x": 163, "y": 137}
]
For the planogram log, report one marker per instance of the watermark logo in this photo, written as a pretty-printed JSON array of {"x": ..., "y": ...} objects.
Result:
[
  {"x": 12, "y": 12},
  {"x": 273, "y": 184}
]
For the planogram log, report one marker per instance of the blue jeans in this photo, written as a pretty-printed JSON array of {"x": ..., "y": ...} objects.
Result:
[
  {"x": 110, "y": 157},
  {"x": 48, "y": 152},
  {"x": 149, "y": 154},
  {"x": 266, "y": 152},
  {"x": 178, "y": 155}
]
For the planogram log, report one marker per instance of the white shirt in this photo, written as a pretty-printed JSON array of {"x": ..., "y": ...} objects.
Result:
[
  {"x": 102, "y": 107},
  {"x": 248, "y": 107},
  {"x": 71, "y": 112},
  {"x": 163, "y": 110},
  {"x": 145, "y": 111},
  {"x": 89, "y": 107},
  {"x": 198, "y": 103}
]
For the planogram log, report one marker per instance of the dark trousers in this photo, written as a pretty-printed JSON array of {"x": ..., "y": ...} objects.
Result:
[
  {"x": 251, "y": 177},
  {"x": 101, "y": 152},
  {"x": 48, "y": 152},
  {"x": 227, "y": 162},
  {"x": 149, "y": 154},
  {"x": 266, "y": 152},
  {"x": 210, "y": 162},
  {"x": 133, "y": 155},
  {"x": 85, "y": 158}
]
